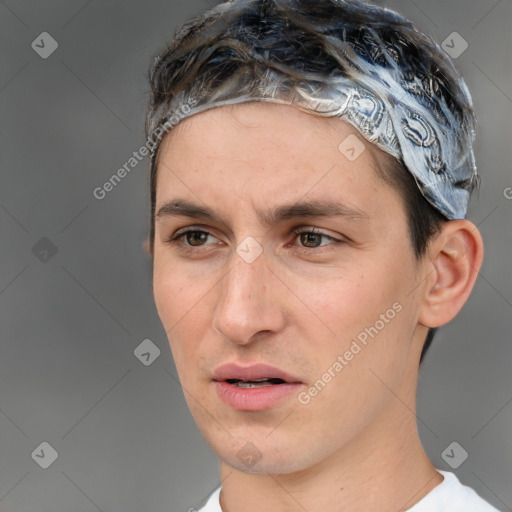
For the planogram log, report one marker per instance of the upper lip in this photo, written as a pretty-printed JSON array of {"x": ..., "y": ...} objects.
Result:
[{"x": 252, "y": 372}]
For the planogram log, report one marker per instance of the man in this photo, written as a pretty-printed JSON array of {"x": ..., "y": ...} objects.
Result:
[{"x": 312, "y": 166}]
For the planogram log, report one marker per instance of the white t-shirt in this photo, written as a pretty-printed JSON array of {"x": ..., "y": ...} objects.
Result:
[{"x": 449, "y": 496}]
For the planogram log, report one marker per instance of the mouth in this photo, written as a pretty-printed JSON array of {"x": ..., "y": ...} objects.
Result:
[
  {"x": 254, "y": 388},
  {"x": 259, "y": 374},
  {"x": 259, "y": 383}
]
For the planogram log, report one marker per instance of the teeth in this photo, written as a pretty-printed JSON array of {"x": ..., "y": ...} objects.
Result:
[{"x": 253, "y": 384}]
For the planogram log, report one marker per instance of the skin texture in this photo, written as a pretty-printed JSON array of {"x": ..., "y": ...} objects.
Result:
[{"x": 299, "y": 306}]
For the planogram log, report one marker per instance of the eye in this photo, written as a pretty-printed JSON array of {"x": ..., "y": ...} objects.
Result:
[
  {"x": 192, "y": 236},
  {"x": 311, "y": 237}
]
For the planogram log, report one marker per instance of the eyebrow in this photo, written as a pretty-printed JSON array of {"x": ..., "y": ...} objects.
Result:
[{"x": 270, "y": 217}]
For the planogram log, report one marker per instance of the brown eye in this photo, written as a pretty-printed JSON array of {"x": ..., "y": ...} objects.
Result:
[
  {"x": 312, "y": 238},
  {"x": 196, "y": 238},
  {"x": 309, "y": 239},
  {"x": 191, "y": 238}
]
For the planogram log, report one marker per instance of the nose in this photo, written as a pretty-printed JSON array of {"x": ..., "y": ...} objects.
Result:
[{"x": 248, "y": 303}]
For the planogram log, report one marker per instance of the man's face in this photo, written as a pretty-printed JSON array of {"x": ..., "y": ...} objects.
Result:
[{"x": 347, "y": 295}]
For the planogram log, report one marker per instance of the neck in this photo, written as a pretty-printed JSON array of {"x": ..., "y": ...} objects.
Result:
[{"x": 384, "y": 468}]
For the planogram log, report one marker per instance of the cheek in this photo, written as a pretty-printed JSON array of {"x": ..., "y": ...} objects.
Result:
[
  {"x": 181, "y": 305},
  {"x": 350, "y": 303},
  {"x": 166, "y": 291},
  {"x": 176, "y": 292},
  {"x": 371, "y": 321},
  {"x": 366, "y": 312}
]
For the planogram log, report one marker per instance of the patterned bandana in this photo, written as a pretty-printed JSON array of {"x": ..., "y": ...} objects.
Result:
[{"x": 404, "y": 114}]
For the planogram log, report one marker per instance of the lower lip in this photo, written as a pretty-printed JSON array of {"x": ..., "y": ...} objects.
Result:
[{"x": 254, "y": 399}]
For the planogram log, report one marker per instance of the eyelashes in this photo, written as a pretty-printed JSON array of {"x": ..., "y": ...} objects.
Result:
[
  {"x": 183, "y": 238},
  {"x": 313, "y": 232}
]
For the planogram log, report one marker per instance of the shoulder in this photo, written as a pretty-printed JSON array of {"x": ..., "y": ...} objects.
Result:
[{"x": 452, "y": 496}]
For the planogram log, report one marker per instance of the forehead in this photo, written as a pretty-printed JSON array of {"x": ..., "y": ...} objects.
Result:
[
  {"x": 264, "y": 151},
  {"x": 258, "y": 118}
]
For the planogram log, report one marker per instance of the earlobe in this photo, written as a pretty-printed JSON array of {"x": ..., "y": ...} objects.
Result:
[{"x": 456, "y": 257}]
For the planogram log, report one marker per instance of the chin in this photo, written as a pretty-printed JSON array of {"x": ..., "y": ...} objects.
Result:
[
  {"x": 268, "y": 464},
  {"x": 263, "y": 454}
]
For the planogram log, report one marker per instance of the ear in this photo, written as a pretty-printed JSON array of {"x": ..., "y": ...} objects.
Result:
[
  {"x": 147, "y": 247},
  {"x": 455, "y": 259}
]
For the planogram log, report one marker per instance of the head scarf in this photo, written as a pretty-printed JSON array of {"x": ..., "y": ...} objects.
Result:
[{"x": 403, "y": 110}]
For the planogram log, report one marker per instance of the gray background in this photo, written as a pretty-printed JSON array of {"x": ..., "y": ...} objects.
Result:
[{"x": 70, "y": 321}]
